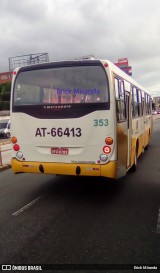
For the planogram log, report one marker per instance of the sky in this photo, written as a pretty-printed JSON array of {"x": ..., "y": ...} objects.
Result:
[{"x": 66, "y": 29}]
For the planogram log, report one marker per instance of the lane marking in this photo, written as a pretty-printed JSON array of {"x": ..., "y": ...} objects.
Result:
[
  {"x": 26, "y": 206},
  {"x": 158, "y": 223}
]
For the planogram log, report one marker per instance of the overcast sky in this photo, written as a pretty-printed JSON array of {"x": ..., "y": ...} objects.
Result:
[{"x": 65, "y": 29}]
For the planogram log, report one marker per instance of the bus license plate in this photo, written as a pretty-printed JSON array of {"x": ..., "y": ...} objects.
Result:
[{"x": 59, "y": 151}]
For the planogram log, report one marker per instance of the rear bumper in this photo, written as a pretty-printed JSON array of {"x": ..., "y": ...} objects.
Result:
[{"x": 107, "y": 170}]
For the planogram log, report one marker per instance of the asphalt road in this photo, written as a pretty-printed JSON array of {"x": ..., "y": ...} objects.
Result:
[{"x": 45, "y": 219}]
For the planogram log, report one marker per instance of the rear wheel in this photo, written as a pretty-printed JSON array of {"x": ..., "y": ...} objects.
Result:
[
  {"x": 147, "y": 146},
  {"x": 8, "y": 135},
  {"x": 134, "y": 167}
]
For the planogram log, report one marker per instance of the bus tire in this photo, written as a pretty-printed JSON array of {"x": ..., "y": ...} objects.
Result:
[
  {"x": 134, "y": 167},
  {"x": 147, "y": 146}
]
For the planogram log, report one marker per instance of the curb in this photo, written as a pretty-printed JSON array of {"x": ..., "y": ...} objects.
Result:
[{"x": 5, "y": 167}]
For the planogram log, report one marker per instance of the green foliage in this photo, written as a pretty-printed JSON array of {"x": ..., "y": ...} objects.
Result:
[{"x": 5, "y": 91}]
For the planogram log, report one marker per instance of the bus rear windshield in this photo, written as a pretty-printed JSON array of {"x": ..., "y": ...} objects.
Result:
[{"x": 62, "y": 85}]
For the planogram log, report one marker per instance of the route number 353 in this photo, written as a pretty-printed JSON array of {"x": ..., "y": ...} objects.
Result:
[{"x": 100, "y": 122}]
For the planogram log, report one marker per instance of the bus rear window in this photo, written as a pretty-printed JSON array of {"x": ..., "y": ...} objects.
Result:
[{"x": 62, "y": 85}]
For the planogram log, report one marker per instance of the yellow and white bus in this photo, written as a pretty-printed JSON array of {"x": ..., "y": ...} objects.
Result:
[{"x": 81, "y": 117}]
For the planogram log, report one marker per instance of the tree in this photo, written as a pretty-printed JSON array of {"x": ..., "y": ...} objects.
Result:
[{"x": 5, "y": 91}]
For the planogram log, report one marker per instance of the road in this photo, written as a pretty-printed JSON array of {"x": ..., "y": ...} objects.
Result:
[{"x": 47, "y": 219}]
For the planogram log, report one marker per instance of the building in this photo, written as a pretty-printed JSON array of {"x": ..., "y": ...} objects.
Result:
[
  {"x": 123, "y": 64},
  {"x": 156, "y": 103},
  {"x": 5, "y": 77}
]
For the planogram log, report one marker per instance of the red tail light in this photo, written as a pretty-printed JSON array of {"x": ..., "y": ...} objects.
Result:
[
  {"x": 106, "y": 149},
  {"x": 16, "y": 147}
]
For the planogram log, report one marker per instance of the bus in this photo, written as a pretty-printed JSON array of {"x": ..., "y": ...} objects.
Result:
[{"x": 78, "y": 117}]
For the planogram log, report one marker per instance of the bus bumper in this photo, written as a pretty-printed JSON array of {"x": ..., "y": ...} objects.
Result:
[{"x": 108, "y": 170}]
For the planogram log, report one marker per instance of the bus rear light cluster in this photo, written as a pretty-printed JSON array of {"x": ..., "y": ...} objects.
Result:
[
  {"x": 16, "y": 148},
  {"x": 106, "y": 149}
]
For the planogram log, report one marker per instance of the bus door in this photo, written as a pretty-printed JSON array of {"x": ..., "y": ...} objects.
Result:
[{"x": 129, "y": 127}]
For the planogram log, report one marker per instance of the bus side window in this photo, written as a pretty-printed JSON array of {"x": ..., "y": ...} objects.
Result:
[
  {"x": 140, "y": 110},
  {"x": 120, "y": 100},
  {"x": 143, "y": 104},
  {"x": 148, "y": 104},
  {"x": 135, "y": 101},
  {"x": 116, "y": 88}
]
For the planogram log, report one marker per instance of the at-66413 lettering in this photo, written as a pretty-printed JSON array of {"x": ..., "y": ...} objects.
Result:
[{"x": 58, "y": 132}]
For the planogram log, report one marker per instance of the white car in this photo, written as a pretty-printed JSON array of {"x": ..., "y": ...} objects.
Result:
[
  {"x": 5, "y": 128},
  {"x": 154, "y": 112}
]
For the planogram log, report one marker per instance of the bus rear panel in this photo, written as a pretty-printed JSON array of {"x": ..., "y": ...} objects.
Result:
[{"x": 63, "y": 119}]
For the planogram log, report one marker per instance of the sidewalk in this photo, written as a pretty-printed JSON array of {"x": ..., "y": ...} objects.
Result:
[
  {"x": 156, "y": 117},
  {"x": 4, "y": 164},
  {"x": 4, "y": 167}
]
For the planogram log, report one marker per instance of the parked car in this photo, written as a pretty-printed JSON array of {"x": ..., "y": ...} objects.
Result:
[
  {"x": 5, "y": 128},
  {"x": 158, "y": 111}
]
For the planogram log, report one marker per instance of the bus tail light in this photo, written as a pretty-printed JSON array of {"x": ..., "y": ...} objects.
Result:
[
  {"x": 109, "y": 140},
  {"x": 106, "y": 149},
  {"x": 16, "y": 147},
  {"x": 19, "y": 155},
  {"x": 14, "y": 140},
  {"x": 103, "y": 157}
]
